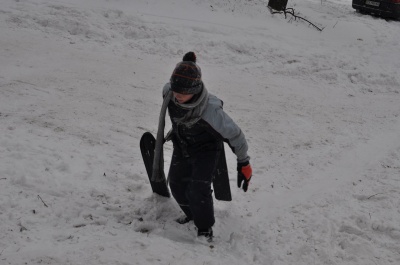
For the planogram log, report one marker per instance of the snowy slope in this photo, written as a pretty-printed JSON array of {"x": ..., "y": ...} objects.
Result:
[{"x": 80, "y": 81}]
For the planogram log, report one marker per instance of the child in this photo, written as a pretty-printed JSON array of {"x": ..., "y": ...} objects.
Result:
[{"x": 199, "y": 127}]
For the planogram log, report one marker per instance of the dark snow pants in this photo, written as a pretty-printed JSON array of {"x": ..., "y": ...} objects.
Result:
[{"x": 190, "y": 182}]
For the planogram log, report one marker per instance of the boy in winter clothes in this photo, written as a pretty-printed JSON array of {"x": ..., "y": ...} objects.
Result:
[{"x": 199, "y": 127}]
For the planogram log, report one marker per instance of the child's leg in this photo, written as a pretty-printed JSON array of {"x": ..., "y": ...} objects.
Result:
[
  {"x": 199, "y": 191},
  {"x": 179, "y": 173}
]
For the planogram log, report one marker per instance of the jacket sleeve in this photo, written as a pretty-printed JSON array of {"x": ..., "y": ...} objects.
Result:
[{"x": 229, "y": 131}]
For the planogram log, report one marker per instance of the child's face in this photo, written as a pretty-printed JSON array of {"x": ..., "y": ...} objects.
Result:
[{"x": 182, "y": 98}]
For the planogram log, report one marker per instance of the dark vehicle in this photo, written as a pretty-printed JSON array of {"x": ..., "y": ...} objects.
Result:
[{"x": 383, "y": 8}]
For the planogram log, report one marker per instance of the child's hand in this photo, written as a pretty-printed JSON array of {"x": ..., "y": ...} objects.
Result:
[{"x": 244, "y": 175}]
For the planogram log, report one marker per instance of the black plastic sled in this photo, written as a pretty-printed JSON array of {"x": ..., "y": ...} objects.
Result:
[
  {"x": 147, "y": 146},
  {"x": 222, "y": 189}
]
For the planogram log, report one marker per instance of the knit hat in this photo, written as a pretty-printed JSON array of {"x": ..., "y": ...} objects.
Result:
[{"x": 186, "y": 77}]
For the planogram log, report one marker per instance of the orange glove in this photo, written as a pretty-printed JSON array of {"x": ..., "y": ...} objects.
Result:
[{"x": 244, "y": 175}]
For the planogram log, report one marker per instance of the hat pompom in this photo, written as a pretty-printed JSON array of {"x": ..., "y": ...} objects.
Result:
[{"x": 189, "y": 56}]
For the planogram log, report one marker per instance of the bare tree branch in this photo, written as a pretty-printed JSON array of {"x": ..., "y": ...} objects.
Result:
[
  {"x": 291, "y": 12},
  {"x": 42, "y": 201},
  {"x": 374, "y": 195}
]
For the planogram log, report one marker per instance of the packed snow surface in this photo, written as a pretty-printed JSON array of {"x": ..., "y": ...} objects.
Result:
[{"x": 81, "y": 81}]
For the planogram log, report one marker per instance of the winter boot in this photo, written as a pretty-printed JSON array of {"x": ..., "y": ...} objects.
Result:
[{"x": 207, "y": 233}]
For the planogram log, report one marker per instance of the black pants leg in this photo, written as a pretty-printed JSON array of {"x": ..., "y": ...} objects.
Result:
[
  {"x": 179, "y": 178},
  {"x": 190, "y": 182}
]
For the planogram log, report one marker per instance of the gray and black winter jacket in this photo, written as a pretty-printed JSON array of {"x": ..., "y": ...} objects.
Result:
[{"x": 208, "y": 131}]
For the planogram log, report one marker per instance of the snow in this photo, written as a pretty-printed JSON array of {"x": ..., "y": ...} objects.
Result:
[{"x": 80, "y": 82}]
